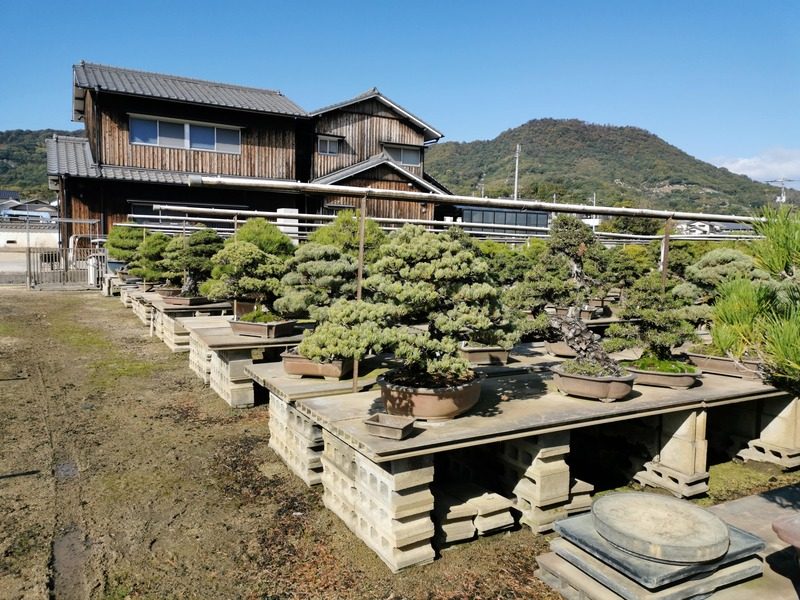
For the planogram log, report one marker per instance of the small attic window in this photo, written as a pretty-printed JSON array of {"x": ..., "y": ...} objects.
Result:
[{"x": 328, "y": 146}]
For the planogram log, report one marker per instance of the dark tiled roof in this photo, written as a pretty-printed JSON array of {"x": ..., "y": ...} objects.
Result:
[
  {"x": 372, "y": 162},
  {"x": 431, "y": 134},
  {"x": 68, "y": 155},
  {"x": 180, "y": 89}
]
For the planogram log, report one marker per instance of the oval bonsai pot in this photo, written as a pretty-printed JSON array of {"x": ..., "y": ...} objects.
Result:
[
  {"x": 676, "y": 381},
  {"x": 605, "y": 389},
  {"x": 432, "y": 404},
  {"x": 268, "y": 330},
  {"x": 722, "y": 365},
  {"x": 296, "y": 365},
  {"x": 559, "y": 348}
]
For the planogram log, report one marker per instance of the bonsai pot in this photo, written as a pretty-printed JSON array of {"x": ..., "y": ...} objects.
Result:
[
  {"x": 271, "y": 329},
  {"x": 605, "y": 389},
  {"x": 561, "y": 311},
  {"x": 296, "y": 365},
  {"x": 185, "y": 300},
  {"x": 145, "y": 287},
  {"x": 676, "y": 381},
  {"x": 559, "y": 349},
  {"x": 167, "y": 292},
  {"x": 429, "y": 403},
  {"x": 722, "y": 365},
  {"x": 483, "y": 355},
  {"x": 587, "y": 314},
  {"x": 389, "y": 426}
]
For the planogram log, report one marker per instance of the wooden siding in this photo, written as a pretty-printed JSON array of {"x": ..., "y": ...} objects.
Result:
[
  {"x": 363, "y": 126},
  {"x": 268, "y": 145},
  {"x": 385, "y": 179}
]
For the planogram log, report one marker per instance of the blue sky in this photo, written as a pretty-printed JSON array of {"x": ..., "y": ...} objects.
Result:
[{"x": 718, "y": 79}]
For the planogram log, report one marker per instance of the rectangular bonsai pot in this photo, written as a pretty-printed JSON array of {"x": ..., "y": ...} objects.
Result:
[
  {"x": 722, "y": 365},
  {"x": 166, "y": 292},
  {"x": 484, "y": 355},
  {"x": 185, "y": 301},
  {"x": 389, "y": 426},
  {"x": 272, "y": 329},
  {"x": 298, "y": 366}
]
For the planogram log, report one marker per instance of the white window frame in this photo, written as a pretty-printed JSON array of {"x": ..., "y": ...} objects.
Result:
[
  {"x": 403, "y": 150},
  {"x": 186, "y": 133},
  {"x": 328, "y": 139}
]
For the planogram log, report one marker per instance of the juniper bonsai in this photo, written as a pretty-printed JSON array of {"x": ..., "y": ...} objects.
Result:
[{"x": 192, "y": 257}]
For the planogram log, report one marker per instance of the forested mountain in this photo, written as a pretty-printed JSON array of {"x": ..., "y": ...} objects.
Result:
[
  {"x": 568, "y": 158},
  {"x": 573, "y": 160},
  {"x": 23, "y": 161}
]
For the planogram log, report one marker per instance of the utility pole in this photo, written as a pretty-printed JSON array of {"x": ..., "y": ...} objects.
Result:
[{"x": 516, "y": 173}]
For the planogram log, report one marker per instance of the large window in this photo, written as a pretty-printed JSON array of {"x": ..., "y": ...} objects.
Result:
[
  {"x": 408, "y": 156},
  {"x": 176, "y": 134},
  {"x": 328, "y": 145}
]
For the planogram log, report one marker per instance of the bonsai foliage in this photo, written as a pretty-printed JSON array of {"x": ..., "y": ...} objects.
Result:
[
  {"x": 421, "y": 278},
  {"x": 123, "y": 242},
  {"x": 507, "y": 264},
  {"x": 722, "y": 264},
  {"x": 147, "y": 263},
  {"x": 317, "y": 275},
  {"x": 573, "y": 238},
  {"x": 779, "y": 252},
  {"x": 627, "y": 264},
  {"x": 242, "y": 269},
  {"x": 192, "y": 257},
  {"x": 738, "y": 316},
  {"x": 342, "y": 233},
  {"x": 265, "y": 236},
  {"x": 655, "y": 320}
]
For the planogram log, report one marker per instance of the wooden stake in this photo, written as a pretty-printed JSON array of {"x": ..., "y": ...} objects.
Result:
[
  {"x": 362, "y": 227},
  {"x": 665, "y": 254}
]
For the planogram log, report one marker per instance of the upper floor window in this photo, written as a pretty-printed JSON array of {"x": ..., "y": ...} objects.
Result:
[
  {"x": 328, "y": 145},
  {"x": 411, "y": 157},
  {"x": 176, "y": 134}
]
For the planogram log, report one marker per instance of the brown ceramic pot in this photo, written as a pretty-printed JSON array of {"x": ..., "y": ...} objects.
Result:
[
  {"x": 676, "y": 381},
  {"x": 429, "y": 403},
  {"x": 484, "y": 355},
  {"x": 559, "y": 349},
  {"x": 272, "y": 329},
  {"x": 300, "y": 366},
  {"x": 605, "y": 389},
  {"x": 721, "y": 365}
]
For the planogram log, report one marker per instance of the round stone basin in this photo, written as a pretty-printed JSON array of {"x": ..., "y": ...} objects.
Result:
[{"x": 660, "y": 528}]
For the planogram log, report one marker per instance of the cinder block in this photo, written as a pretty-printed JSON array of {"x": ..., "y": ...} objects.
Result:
[
  {"x": 394, "y": 475},
  {"x": 340, "y": 454},
  {"x": 394, "y": 505},
  {"x": 780, "y": 423},
  {"x": 680, "y": 484},
  {"x": 546, "y": 482}
]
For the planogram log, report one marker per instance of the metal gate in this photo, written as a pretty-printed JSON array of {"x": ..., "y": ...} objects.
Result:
[{"x": 66, "y": 266}]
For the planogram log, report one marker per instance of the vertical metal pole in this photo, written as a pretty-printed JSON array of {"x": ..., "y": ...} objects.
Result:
[
  {"x": 27, "y": 251},
  {"x": 362, "y": 227},
  {"x": 665, "y": 254},
  {"x": 516, "y": 173}
]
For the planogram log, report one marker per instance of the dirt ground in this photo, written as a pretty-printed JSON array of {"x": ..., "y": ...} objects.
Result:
[{"x": 122, "y": 476}]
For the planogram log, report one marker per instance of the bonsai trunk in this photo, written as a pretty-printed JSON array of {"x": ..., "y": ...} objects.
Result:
[{"x": 585, "y": 343}]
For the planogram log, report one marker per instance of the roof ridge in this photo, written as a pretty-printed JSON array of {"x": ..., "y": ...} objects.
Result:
[{"x": 181, "y": 78}]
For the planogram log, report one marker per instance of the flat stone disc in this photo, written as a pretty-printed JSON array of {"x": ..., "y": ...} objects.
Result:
[{"x": 660, "y": 528}]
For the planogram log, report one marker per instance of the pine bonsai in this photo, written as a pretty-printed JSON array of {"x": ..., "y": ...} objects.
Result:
[
  {"x": 147, "y": 263},
  {"x": 342, "y": 233},
  {"x": 265, "y": 236},
  {"x": 191, "y": 256},
  {"x": 655, "y": 323},
  {"x": 316, "y": 275},
  {"x": 123, "y": 242},
  {"x": 242, "y": 270},
  {"x": 437, "y": 282}
]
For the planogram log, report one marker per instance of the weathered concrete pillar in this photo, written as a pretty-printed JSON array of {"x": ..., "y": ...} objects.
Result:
[
  {"x": 779, "y": 434},
  {"x": 538, "y": 474},
  {"x": 680, "y": 461},
  {"x": 296, "y": 439}
]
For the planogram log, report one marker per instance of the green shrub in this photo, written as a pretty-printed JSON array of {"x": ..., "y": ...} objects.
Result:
[
  {"x": 243, "y": 270},
  {"x": 123, "y": 242},
  {"x": 264, "y": 235},
  {"x": 343, "y": 234},
  {"x": 149, "y": 257}
]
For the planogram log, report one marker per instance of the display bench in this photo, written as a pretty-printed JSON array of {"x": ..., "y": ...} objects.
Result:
[
  {"x": 142, "y": 305},
  {"x": 220, "y": 356},
  {"x": 403, "y": 497},
  {"x": 166, "y": 326}
]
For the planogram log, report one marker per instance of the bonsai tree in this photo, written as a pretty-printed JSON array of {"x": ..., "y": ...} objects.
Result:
[
  {"x": 722, "y": 264},
  {"x": 192, "y": 257},
  {"x": 591, "y": 358},
  {"x": 265, "y": 236},
  {"x": 626, "y": 264},
  {"x": 317, "y": 275},
  {"x": 342, "y": 233},
  {"x": 437, "y": 281},
  {"x": 573, "y": 238},
  {"x": 242, "y": 269},
  {"x": 147, "y": 262},
  {"x": 655, "y": 323},
  {"x": 123, "y": 242}
]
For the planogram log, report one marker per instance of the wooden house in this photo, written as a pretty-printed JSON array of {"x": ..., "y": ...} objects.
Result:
[{"x": 146, "y": 133}]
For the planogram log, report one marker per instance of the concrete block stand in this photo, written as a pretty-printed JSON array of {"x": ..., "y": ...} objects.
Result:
[
  {"x": 779, "y": 435},
  {"x": 297, "y": 440}
]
